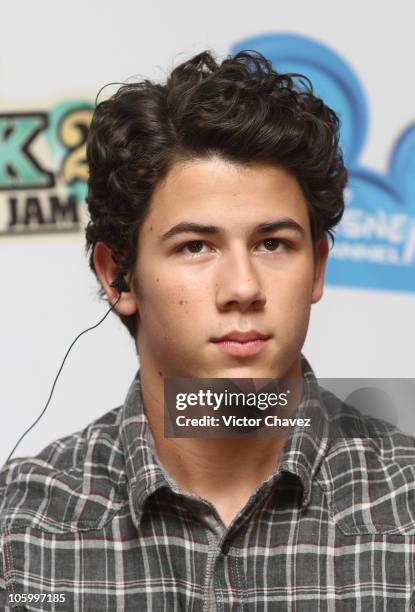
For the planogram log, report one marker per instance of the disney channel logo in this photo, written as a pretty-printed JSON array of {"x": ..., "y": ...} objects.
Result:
[{"x": 375, "y": 241}]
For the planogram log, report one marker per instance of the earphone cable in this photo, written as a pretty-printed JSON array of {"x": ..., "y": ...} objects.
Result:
[{"x": 57, "y": 376}]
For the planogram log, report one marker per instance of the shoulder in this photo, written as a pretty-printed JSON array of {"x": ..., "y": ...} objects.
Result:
[
  {"x": 71, "y": 484},
  {"x": 349, "y": 423},
  {"x": 369, "y": 472}
]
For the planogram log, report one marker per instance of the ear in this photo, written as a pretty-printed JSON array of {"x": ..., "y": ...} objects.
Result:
[
  {"x": 107, "y": 269},
  {"x": 320, "y": 261}
]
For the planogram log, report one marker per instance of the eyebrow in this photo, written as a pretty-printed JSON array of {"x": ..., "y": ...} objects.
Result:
[{"x": 262, "y": 228}]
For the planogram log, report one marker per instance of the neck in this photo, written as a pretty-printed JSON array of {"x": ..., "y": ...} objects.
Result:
[{"x": 224, "y": 471}]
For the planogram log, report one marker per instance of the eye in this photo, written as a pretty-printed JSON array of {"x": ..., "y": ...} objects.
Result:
[
  {"x": 194, "y": 247},
  {"x": 273, "y": 244}
]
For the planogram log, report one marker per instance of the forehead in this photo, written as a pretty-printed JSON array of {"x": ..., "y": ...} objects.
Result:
[{"x": 225, "y": 193}]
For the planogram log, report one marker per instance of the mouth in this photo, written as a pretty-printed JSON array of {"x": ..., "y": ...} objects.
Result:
[{"x": 241, "y": 348}]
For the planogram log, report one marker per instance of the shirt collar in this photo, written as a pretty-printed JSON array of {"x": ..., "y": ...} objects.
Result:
[
  {"x": 307, "y": 446},
  {"x": 303, "y": 451},
  {"x": 144, "y": 473}
]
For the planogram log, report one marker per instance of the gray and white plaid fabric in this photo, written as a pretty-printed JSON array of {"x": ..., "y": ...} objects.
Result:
[{"x": 95, "y": 521}]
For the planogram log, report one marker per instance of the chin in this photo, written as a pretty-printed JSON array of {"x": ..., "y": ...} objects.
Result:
[{"x": 239, "y": 371}]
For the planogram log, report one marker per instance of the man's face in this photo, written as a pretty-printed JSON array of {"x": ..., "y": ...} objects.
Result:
[{"x": 231, "y": 274}]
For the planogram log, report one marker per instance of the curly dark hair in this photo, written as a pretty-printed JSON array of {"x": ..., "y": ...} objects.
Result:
[{"x": 240, "y": 110}]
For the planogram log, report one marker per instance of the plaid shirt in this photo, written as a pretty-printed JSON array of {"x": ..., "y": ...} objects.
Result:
[{"x": 95, "y": 521}]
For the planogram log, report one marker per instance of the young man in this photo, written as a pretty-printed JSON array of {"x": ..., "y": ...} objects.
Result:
[{"x": 213, "y": 196}]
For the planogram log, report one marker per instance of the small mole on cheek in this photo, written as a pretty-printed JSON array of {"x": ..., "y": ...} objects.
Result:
[
  {"x": 157, "y": 280},
  {"x": 181, "y": 302},
  {"x": 160, "y": 373}
]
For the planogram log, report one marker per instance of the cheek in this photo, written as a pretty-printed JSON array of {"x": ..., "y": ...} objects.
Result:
[
  {"x": 296, "y": 286},
  {"x": 166, "y": 302},
  {"x": 291, "y": 301}
]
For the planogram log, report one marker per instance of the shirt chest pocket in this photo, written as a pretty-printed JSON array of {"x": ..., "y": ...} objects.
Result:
[
  {"x": 370, "y": 499},
  {"x": 43, "y": 573}
]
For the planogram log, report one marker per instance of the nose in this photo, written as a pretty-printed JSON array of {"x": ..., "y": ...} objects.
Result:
[{"x": 238, "y": 283}]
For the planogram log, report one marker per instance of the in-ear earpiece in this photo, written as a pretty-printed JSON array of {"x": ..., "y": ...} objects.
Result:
[{"x": 119, "y": 283}]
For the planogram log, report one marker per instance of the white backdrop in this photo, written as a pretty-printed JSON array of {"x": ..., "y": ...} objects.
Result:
[{"x": 55, "y": 50}]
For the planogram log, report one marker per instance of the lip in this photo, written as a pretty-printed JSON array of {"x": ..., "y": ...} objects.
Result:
[
  {"x": 241, "y": 343},
  {"x": 240, "y": 336},
  {"x": 252, "y": 347}
]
